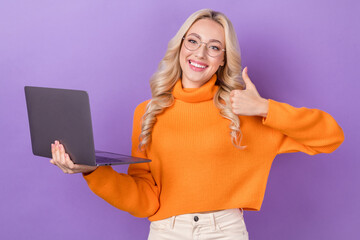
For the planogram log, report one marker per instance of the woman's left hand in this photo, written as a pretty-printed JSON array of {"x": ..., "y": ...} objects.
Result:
[{"x": 248, "y": 102}]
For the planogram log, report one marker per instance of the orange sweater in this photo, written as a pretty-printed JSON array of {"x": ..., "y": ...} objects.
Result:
[{"x": 194, "y": 165}]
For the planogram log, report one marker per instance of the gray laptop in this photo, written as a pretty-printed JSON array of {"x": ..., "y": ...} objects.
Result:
[{"x": 64, "y": 115}]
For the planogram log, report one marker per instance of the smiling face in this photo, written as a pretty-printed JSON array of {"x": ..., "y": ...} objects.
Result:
[{"x": 197, "y": 66}]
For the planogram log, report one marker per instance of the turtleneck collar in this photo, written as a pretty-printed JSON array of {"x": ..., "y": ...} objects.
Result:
[{"x": 192, "y": 95}]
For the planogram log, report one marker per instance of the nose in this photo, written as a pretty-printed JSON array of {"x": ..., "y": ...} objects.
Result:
[{"x": 201, "y": 51}]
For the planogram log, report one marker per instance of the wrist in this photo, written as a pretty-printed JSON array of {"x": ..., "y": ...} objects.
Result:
[
  {"x": 264, "y": 107},
  {"x": 89, "y": 171}
]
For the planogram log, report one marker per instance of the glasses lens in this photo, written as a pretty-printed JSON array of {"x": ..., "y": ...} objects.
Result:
[
  {"x": 192, "y": 43},
  {"x": 214, "y": 49}
]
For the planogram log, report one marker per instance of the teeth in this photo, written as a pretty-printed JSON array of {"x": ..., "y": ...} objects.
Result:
[{"x": 197, "y": 65}]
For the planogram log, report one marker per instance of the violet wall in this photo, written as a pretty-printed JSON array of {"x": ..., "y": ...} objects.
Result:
[{"x": 305, "y": 53}]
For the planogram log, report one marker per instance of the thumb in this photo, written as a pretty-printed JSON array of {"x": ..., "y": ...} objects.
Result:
[{"x": 246, "y": 78}]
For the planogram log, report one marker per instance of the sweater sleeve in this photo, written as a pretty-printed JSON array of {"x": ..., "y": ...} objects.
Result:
[
  {"x": 135, "y": 192},
  {"x": 311, "y": 131}
]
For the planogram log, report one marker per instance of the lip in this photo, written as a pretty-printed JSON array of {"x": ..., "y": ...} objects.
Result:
[{"x": 196, "y": 69}]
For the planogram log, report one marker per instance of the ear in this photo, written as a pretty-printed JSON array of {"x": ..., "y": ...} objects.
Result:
[{"x": 222, "y": 63}]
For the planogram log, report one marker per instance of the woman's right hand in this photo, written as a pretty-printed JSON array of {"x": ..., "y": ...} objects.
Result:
[{"x": 61, "y": 159}]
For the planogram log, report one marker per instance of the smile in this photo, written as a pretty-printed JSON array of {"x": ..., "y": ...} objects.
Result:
[{"x": 197, "y": 66}]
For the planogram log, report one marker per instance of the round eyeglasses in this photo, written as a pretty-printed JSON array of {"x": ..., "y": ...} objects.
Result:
[{"x": 213, "y": 48}]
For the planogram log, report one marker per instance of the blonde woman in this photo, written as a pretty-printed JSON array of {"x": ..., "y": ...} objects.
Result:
[{"x": 211, "y": 138}]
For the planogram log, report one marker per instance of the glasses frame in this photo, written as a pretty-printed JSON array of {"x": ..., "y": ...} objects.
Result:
[{"x": 206, "y": 43}]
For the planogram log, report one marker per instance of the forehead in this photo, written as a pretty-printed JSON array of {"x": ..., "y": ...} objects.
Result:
[{"x": 208, "y": 29}]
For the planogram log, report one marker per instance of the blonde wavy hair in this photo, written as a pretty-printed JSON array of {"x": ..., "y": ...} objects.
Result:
[{"x": 169, "y": 71}]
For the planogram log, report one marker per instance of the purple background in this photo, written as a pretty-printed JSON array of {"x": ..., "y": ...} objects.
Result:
[{"x": 304, "y": 52}]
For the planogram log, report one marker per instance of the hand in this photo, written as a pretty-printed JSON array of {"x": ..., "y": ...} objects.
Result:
[
  {"x": 248, "y": 102},
  {"x": 61, "y": 159}
]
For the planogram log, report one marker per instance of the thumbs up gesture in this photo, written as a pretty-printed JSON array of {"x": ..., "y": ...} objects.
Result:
[{"x": 248, "y": 102}]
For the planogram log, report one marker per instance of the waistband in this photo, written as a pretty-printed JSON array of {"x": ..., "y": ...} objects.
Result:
[{"x": 200, "y": 218}]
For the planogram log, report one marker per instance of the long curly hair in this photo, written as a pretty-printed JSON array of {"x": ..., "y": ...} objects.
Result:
[{"x": 169, "y": 71}]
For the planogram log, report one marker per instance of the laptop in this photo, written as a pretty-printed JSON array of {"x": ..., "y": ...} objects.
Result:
[{"x": 64, "y": 115}]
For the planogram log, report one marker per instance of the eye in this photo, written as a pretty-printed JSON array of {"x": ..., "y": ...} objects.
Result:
[
  {"x": 192, "y": 41},
  {"x": 216, "y": 48}
]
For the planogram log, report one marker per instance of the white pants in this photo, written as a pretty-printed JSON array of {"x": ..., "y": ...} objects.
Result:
[{"x": 220, "y": 225}]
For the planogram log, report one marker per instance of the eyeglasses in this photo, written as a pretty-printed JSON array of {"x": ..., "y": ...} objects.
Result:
[{"x": 214, "y": 48}]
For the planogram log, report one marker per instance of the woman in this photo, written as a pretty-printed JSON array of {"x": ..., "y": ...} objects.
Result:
[{"x": 205, "y": 168}]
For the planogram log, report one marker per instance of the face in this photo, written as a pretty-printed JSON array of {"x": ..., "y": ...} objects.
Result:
[{"x": 197, "y": 66}]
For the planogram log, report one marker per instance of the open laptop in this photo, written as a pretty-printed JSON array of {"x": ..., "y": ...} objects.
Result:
[{"x": 64, "y": 115}]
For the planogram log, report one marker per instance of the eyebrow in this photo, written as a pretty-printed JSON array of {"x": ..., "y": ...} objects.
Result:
[{"x": 211, "y": 40}]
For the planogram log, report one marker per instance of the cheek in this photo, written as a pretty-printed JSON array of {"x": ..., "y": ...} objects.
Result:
[
  {"x": 182, "y": 59},
  {"x": 219, "y": 61},
  {"x": 216, "y": 63},
  {"x": 184, "y": 53}
]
